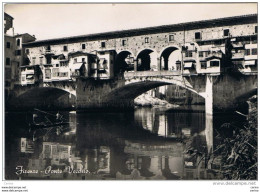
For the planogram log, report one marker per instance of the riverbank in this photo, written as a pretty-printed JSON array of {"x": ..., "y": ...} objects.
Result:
[{"x": 146, "y": 100}]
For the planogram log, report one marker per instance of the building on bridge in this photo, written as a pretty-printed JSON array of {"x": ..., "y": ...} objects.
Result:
[
  {"x": 14, "y": 53},
  {"x": 193, "y": 48}
]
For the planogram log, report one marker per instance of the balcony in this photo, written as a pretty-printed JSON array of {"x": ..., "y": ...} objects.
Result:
[
  {"x": 250, "y": 57},
  {"x": 238, "y": 56}
]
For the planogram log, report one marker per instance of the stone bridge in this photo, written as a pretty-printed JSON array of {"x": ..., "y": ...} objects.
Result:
[{"x": 222, "y": 92}]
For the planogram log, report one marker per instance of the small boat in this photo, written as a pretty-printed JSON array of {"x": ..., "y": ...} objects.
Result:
[
  {"x": 42, "y": 125},
  {"x": 47, "y": 123}
]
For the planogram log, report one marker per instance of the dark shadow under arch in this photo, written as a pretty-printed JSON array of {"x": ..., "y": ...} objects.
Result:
[
  {"x": 165, "y": 55},
  {"x": 45, "y": 98},
  {"x": 121, "y": 65},
  {"x": 144, "y": 60}
]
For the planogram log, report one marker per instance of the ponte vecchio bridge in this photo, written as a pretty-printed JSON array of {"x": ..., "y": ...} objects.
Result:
[{"x": 216, "y": 59}]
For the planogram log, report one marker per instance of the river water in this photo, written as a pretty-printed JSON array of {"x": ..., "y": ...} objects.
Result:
[{"x": 149, "y": 143}]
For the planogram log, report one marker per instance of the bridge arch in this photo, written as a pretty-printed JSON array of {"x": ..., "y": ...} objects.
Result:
[
  {"x": 137, "y": 86},
  {"x": 44, "y": 98},
  {"x": 168, "y": 58},
  {"x": 124, "y": 61},
  {"x": 146, "y": 60}
]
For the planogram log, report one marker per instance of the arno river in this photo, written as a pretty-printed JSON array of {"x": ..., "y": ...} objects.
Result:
[{"x": 149, "y": 143}]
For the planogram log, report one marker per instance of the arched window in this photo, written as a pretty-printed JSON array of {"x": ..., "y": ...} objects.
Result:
[{"x": 18, "y": 42}]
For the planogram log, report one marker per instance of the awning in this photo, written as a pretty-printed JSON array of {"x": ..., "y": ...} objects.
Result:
[
  {"x": 189, "y": 60},
  {"x": 250, "y": 62},
  {"x": 212, "y": 57},
  {"x": 76, "y": 66},
  {"x": 188, "y": 65},
  {"x": 29, "y": 77}
]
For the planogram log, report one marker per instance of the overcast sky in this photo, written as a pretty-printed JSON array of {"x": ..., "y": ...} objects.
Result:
[{"x": 47, "y": 21}]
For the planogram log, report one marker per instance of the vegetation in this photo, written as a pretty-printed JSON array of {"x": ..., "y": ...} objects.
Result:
[
  {"x": 235, "y": 157},
  {"x": 238, "y": 152}
]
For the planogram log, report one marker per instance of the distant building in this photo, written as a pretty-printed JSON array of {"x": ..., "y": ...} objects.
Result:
[{"x": 14, "y": 53}]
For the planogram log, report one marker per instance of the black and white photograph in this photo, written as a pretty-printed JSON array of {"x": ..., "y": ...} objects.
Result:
[{"x": 130, "y": 91}]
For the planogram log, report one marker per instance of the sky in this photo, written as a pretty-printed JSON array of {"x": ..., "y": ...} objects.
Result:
[{"x": 47, "y": 21}]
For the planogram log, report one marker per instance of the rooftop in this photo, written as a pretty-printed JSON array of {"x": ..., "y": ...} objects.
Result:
[
  {"x": 7, "y": 15},
  {"x": 236, "y": 20}
]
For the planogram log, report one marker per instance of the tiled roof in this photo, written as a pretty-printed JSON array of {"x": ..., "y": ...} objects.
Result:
[{"x": 252, "y": 18}]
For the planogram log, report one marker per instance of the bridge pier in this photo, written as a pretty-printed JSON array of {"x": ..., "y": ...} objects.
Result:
[{"x": 209, "y": 95}]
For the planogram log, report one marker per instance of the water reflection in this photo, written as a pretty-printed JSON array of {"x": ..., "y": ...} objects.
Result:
[{"x": 147, "y": 144}]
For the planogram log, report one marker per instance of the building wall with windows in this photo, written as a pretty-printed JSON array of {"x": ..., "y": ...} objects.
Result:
[{"x": 205, "y": 45}]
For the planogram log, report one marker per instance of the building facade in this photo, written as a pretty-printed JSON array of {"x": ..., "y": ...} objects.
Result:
[
  {"x": 194, "y": 48},
  {"x": 14, "y": 54}
]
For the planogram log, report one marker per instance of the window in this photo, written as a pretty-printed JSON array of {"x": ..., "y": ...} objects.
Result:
[
  {"x": 8, "y": 45},
  {"x": 7, "y": 84},
  {"x": 214, "y": 63},
  {"x": 27, "y": 51},
  {"x": 197, "y": 35},
  {"x": 123, "y": 42},
  {"x": 41, "y": 60},
  {"x": 33, "y": 60},
  {"x": 83, "y": 46},
  {"x": 65, "y": 48},
  {"x": 200, "y": 54},
  {"x": 83, "y": 60},
  {"x": 146, "y": 40},
  {"x": 255, "y": 29},
  {"x": 226, "y": 32},
  {"x": 48, "y": 60},
  {"x": 65, "y": 74},
  {"x": 18, "y": 42},
  {"x": 254, "y": 39},
  {"x": 254, "y": 51},
  {"x": 207, "y": 53},
  {"x": 171, "y": 37},
  {"x": 203, "y": 64},
  {"x": 18, "y": 52},
  {"x": 75, "y": 60},
  {"x": 188, "y": 54},
  {"x": 7, "y": 61},
  {"x": 7, "y": 73},
  {"x": 103, "y": 44},
  {"x": 47, "y": 73},
  {"x": 48, "y": 48},
  {"x": 247, "y": 52},
  {"x": 63, "y": 64}
]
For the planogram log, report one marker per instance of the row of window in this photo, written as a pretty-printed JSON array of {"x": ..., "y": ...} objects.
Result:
[
  {"x": 8, "y": 44},
  {"x": 203, "y": 64},
  {"x": 251, "y": 51},
  {"x": 198, "y": 36},
  {"x": 59, "y": 74},
  {"x": 226, "y": 33}
]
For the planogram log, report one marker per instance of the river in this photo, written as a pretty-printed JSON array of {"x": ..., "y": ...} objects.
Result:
[{"x": 149, "y": 143}]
